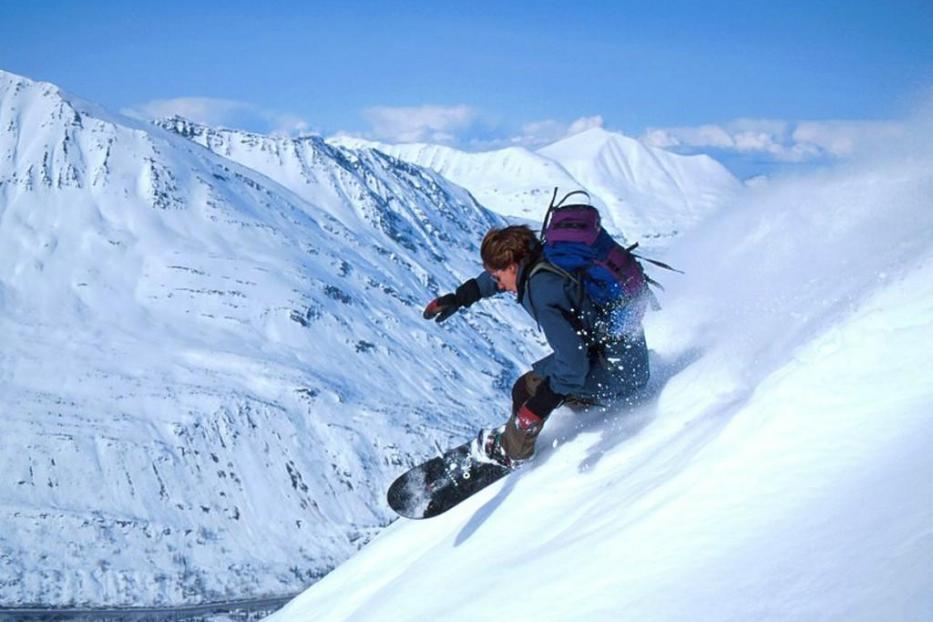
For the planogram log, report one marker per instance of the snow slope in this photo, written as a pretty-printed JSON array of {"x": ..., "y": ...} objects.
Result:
[
  {"x": 777, "y": 468},
  {"x": 644, "y": 193},
  {"x": 195, "y": 358}
]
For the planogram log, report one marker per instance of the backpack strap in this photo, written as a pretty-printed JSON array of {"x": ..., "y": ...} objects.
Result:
[
  {"x": 659, "y": 264},
  {"x": 655, "y": 262},
  {"x": 589, "y": 200},
  {"x": 543, "y": 265},
  {"x": 547, "y": 266}
]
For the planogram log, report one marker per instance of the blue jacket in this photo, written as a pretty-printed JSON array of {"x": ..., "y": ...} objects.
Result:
[{"x": 575, "y": 368}]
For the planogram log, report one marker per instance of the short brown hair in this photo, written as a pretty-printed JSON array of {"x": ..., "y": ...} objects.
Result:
[{"x": 503, "y": 247}]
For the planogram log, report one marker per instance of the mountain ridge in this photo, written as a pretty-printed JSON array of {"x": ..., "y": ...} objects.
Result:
[{"x": 643, "y": 193}]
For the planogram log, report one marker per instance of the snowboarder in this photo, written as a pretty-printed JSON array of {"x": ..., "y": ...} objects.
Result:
[{"x": 587, "y": 367}]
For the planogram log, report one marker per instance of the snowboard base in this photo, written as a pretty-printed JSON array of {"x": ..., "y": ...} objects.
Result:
[{"x": 435, "y": 486}]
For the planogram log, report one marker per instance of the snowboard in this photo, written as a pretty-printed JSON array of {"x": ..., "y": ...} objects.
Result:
[{"x": 435, "y": 486}]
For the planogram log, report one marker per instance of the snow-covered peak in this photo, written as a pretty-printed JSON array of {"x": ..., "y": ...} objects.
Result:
[
  {"x": 37, "y": 139},
  {"x": 17, "y": 84},
  {"x": 588, "y": 143},
  {"x": 352, "y": 142},
  {"x": 598, "y": 143},
  {"x": 649, "y": 191}
]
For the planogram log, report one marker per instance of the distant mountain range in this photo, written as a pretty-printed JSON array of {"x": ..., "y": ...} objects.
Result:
[{"x": 644, "y": 193}]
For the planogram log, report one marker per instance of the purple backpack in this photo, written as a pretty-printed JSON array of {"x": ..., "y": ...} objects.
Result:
[{"x": 575, "y": 245}]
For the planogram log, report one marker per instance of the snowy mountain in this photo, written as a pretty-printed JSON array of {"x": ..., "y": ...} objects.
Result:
[
  {"x": 776, "y": 468},
  {"x": 208, "y": 378},
  {"x": 357, "y": 189},
  {"x": 514, "y": 182},
  {"x": 645, "y": 190},
  {"x": 644, "y": 193}
]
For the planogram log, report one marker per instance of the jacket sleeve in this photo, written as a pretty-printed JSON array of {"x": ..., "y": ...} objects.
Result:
[
  {"x": 473, "y": 290},
  {"x": 487, "y": 286},
  {"x": 569, "y": 365}
]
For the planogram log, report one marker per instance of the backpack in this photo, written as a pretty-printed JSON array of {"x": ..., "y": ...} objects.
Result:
[{"x": 575, "y": 245}]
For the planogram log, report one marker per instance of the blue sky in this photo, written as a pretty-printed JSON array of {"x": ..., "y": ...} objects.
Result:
[{"x": 481, "y": 75}]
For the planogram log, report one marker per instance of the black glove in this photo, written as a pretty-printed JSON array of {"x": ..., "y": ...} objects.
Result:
[
  {"x": 444, "y": 306},
  {"x": 441, "y": 308}
]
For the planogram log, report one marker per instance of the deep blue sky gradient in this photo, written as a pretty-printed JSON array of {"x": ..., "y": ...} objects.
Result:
[{"x": 638, "y": 64}]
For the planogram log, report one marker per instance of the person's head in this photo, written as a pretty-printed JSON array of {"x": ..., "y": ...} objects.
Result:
[{"x": 504, "y": 251}]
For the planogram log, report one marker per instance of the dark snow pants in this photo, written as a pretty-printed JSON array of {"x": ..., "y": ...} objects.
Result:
[{"x": 606, "y": 383}]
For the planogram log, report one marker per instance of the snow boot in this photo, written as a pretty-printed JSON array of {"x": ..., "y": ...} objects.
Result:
[
  {"x": 521, "y": 432},
  {"x": 487, "y": 448}
]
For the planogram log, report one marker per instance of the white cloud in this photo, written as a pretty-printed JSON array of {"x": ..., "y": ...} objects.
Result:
[
  {"x": 221, "y": 113},
  {"x": 461, "y": 126},
  {"x": 537, "y": 134},
  {"x": 207, "y": 110},
  {"x": 843, "y": 138},
  {"x": 704, "y": 135},
  {"x": 584, "y": 123},
  {"x": 782, "y": 140},
  {"x": 777, "y": 140},
  {"x": 435, "y": 124}
]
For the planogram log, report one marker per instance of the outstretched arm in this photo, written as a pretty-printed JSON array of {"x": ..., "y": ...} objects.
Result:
[{"x": 469, "y": 292}]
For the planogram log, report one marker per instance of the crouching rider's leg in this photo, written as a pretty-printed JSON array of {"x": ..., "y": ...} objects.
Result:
[{"x": 532, "y": 403}]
